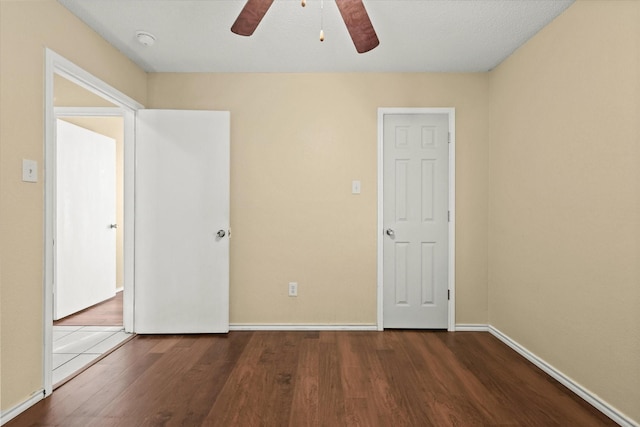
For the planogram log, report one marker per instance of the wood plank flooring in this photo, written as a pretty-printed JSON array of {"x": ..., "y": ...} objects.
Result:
[
  {"x": 390, "y": 378},
  {"x": 106, "y": 313}
]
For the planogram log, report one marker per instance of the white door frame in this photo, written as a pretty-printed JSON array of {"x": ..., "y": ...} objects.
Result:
[
  {"x": 451, "y": 112},
  {"x": 126, "y": 107}
]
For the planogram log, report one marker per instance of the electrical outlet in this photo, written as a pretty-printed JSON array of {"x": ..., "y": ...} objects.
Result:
[{"x": 293, "y": 289}]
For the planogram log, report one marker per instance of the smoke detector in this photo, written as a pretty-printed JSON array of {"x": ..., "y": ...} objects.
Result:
[{"x": 144, "y": 38}]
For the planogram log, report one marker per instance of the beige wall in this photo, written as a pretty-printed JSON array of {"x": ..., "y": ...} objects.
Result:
[
  {"x": 564, "y": 200},
  {"x": 26, "y": 28},
  {"x": 297, "y": 142},
  {"x": 68, "y": 94}
]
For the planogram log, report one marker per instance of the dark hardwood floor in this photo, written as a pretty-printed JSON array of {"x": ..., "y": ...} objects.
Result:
[
  {"x": 106, "y": 313},
  {"x": 391, "y": 378}
]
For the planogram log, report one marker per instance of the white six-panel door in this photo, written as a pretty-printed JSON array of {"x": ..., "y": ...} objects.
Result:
[
  {"x": 415, "y": 221},
  {"x": 182, "y": 222}
]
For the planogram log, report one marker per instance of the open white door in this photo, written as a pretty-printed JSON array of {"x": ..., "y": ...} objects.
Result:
[
  {"x": 85, "y": 249},
  {"x": 182, "y": 221}
]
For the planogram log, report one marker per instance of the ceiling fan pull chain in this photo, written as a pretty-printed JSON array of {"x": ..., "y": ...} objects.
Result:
[{"x": 321, "y": 20}]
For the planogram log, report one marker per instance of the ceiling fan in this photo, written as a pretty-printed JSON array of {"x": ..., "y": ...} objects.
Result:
[{"x": 353, "y": 14}]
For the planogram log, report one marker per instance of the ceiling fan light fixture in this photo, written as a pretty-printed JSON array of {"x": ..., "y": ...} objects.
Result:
[
  {"x": 353, "y": 12},
  {"x": 145, "y": 38}
]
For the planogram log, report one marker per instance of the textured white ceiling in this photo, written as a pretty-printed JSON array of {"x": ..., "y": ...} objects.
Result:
[{"x": 415, "y": 35}]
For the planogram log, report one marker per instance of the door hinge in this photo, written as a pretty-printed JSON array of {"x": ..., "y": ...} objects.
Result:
[
  {"x": 448, "y": 294},
  {"x": 448, "y": 216},
  {"x": 449, "y": 137}
]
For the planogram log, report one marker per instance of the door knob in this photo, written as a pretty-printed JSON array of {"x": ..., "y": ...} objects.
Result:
[
  {"x": 390, "y": 233},
  {"x": 221, "y": 233},
  {"x": 113, "y": 225}
]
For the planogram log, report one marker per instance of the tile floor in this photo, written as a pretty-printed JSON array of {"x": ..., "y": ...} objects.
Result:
[{"x": 75, "y": 347}]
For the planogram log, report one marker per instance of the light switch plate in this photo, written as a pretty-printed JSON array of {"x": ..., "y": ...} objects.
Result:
[
  {"x": 29, "y": 170},
  {"x": 355, "y": 187}
]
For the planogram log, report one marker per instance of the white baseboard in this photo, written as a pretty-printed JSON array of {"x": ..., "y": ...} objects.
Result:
[
  {"x": 300, "y": 327},
  {"x": 11, "y": 413},
  {"x": 471, "y": 327},
  {"x": 563, "y": 379}
]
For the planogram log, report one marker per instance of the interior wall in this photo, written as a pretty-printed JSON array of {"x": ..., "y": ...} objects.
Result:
[
  {"x": 26, "y": 28},
  {"x": 297, "y": 142},
  {"x": 564, "y": 198},
  {"x": 113, "y": 127},
  {"x": 68, "y": 94}
]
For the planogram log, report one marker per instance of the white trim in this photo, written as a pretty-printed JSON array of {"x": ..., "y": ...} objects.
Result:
[
  {"x": 452, "y": 219},
  {"x": 88, "y": 111},
  {"x": 70, "y": 71},
  {"x": 128, "y": 247},
  {"x": 451, "y": 321},
  {"x": 563, "y": 379},
  {"x": 49, "y": 231},
  {"x": 299, "y": 327},
  {"x": 11, "y": 413},
  {"x": 56, "y": 64},
  {"x": 380, "y": 223},
  {"x": 472, "y": 327}
]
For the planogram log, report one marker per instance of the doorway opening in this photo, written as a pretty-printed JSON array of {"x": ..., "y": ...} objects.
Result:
[
  {"x": 72, "y": 92},
  {"x": 89, "y": 279}
]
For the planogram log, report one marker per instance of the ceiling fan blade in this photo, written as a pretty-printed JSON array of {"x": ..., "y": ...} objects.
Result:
[
  {"x": 359, "y": 25},
  {"x": 250, "y": 16}
]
